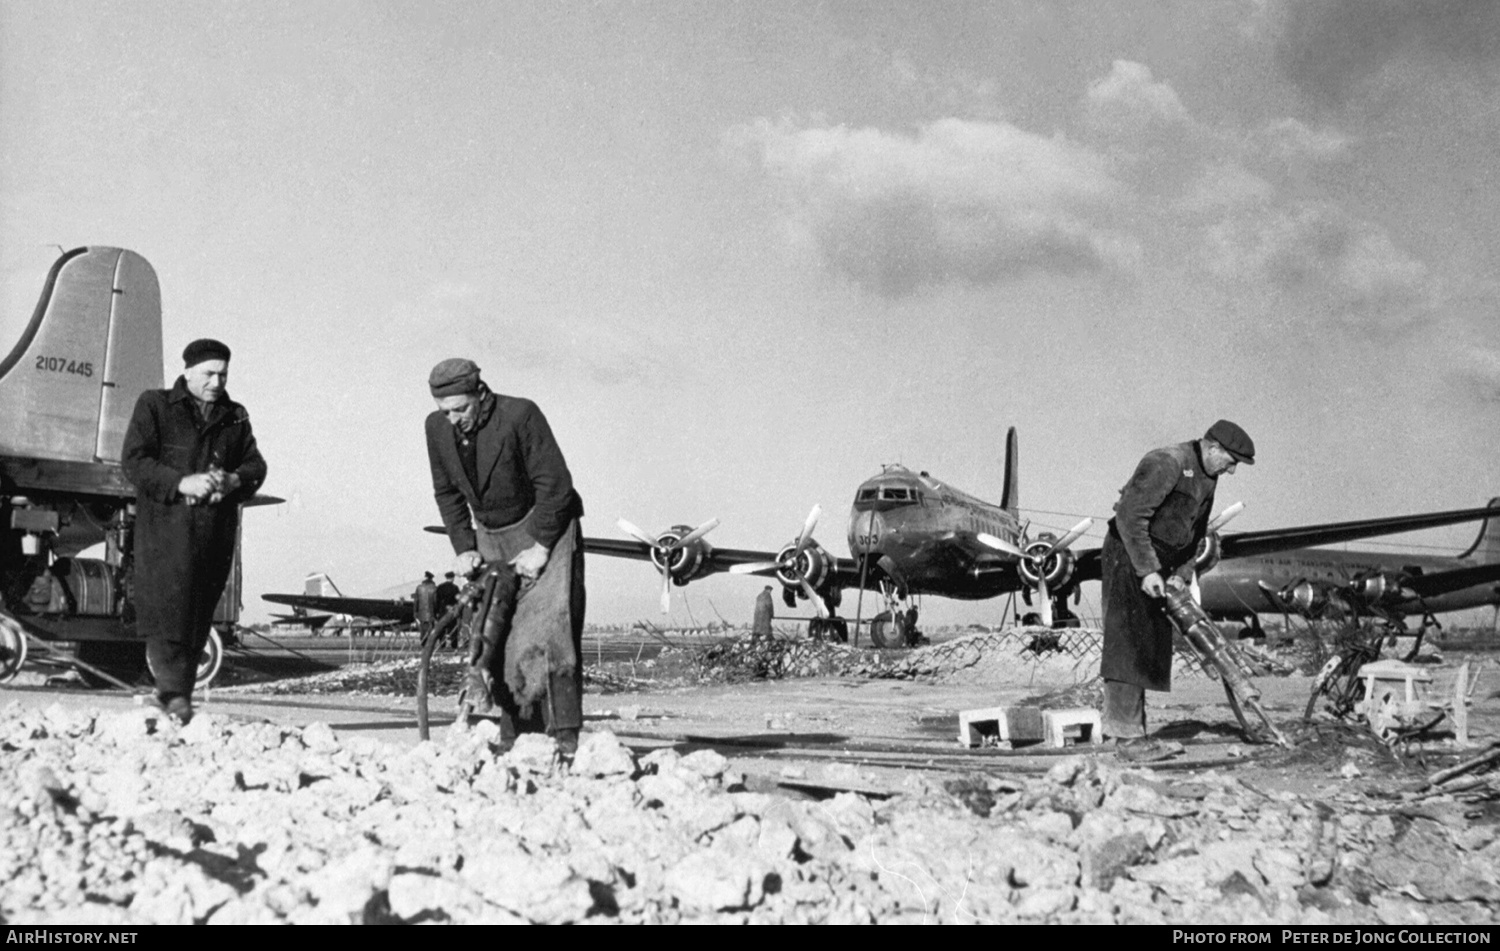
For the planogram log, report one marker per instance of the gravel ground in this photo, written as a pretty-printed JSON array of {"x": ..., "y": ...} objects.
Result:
[{"x": 123, "y": 817}]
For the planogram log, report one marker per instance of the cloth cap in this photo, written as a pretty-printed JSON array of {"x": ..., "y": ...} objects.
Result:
[
  {"x": 453, "y": 377},
  {"x": 1235, "y": 441},
  {"x": 428, "y": 575},
  {"x": 205, "y": 349},
  {"x": 448, "y": 575}
]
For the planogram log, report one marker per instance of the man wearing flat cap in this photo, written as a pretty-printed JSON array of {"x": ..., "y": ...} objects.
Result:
[
  {"x": 506, "y": 498},
  {"x": 192, "y": 457},
  {"x": 1160, "y": 520}
]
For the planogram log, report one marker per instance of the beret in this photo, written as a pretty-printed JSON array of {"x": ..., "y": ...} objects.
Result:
[
  {"x": 204, "y": 349},
  {"x": 454, "y": 376}
]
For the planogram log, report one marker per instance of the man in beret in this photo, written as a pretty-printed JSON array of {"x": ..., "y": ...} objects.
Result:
[
  {"x": 506, "y": 498},
  {"x": 1160, "y": 520},
  {"x": 192, "y": 457}
]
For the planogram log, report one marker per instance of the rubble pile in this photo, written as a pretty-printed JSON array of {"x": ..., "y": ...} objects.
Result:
[
  {"x": 126, "y": 818},
  {"x": 769, "y": 658}
]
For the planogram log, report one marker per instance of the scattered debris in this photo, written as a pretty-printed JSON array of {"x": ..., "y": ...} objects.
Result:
[{"x": 126, "y": 818}]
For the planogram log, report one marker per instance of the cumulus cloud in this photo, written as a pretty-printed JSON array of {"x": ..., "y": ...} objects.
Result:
[
  {"x": 1291, "y": 140},
  {"x": 1351, "y": 267},
  {"x": 1131, "y": 98},
  {"x": 1222, "y": 187},
  {"x": 977, "y": 201},
  {"x": 1330, "y": 48}
]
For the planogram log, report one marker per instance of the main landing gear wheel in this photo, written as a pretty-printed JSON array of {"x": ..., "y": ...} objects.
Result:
[
  {"x": 12, "y": 651},
  {"x": 887, "y": 631},
  {"x": 209, "y": 661}
]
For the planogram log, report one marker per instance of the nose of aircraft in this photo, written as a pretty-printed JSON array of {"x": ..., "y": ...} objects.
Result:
[{"x": 865, "y": 531}]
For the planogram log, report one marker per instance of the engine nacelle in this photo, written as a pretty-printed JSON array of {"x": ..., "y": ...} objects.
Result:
[
  {"x": 684, "y": 562},
  {"x": 811, "y": 565},
  {"x": 1057, "y": 569},
  {"x": 1378, "y": 588},
  {"x": 1314, "y": 599},
  {"x": 1210, "y": 550}
]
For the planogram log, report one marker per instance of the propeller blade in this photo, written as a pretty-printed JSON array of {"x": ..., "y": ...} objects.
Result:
[
  {"x": 817, "y": 602},
  {"x": 699, "y": 532},
  {"x": 753, "y": 567},
  {"x": 999, "y": 544},
  {"x": 1072, "y": 536},
  {"x": 666, "y": 592},
  {"x": 807, "y": 530},
  {"x": 635, "y": 533},
  {"x": 1046, "y": 600},
  {"x": 1226, "y": 516}
]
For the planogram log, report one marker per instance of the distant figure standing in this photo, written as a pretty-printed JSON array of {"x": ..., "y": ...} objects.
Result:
[
  {"x": 424, "y": 605},
  {"x": 447, "y": 597},
  {"x": 765, "y": 610},
  {"x": 1160, "y": 520},
  {"x": 192, "y": 458},
  {"x": 507, "y": 498}
]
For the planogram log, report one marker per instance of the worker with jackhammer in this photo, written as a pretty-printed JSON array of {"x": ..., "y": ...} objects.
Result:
[
  {"x": 507, "y": 500},
  {"x": 1160, "y": 520}
]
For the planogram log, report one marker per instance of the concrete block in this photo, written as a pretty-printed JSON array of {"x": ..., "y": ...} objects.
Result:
[
  {"x": 1007, "y": 724},
  {"x": 1078, "y": 725}
]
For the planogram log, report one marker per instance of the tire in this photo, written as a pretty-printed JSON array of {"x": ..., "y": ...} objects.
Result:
[
  {"x": 884, "y": 632},
  {"x": 209, "y": 661},
  {"x": 840, "y": 630},
  {"x": 12, "y": 651}
]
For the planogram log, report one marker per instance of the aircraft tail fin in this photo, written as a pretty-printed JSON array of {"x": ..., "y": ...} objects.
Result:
[
  {"x": 69, "y": 385},
  {"x": 319, "y": 585},
  {"x": 1486, "y": 547},
  {"x": 1010, "y": 494}
]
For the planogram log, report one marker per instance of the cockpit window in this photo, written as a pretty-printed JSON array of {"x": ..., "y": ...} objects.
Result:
[
  {"x": 892, "y": 493},
  {"x": 867, "y": 495}
]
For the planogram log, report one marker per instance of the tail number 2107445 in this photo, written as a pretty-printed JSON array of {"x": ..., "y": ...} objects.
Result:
[{"x": 64, "y": 365}]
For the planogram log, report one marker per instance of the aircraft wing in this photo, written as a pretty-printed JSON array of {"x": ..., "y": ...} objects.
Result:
[
  {"x": 1269, "y": 541},
  {"x": 1245, "y": 544},
  {"x": 717, "y": 559},
  {"x": 1443, "y": 582},
  {"x": 380, "y": 609}
]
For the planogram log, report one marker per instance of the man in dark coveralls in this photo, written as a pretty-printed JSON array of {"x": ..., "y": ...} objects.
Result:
[
  {"x": 192, "y": 457},
  {"x": 1161, "y": 518},
  {"x": 507, "y": 498}
]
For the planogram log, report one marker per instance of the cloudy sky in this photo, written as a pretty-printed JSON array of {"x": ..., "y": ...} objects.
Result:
[{"x": 742, "y": 254}]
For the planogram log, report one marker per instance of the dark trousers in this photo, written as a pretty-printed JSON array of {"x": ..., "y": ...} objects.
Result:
[{"x": 183, "y": 555}]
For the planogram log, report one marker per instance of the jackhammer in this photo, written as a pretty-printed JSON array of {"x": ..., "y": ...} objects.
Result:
[
  {"x": 1212, "y": 650},
  {"x": 484, "y": 625}
]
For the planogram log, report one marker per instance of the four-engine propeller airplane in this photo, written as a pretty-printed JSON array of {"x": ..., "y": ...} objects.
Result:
[
  {"x": 1386, "y": 585},
  {"x": 910, "y": 535}
]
